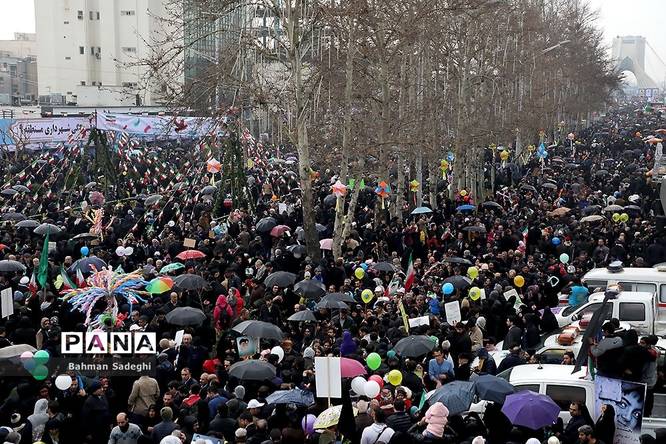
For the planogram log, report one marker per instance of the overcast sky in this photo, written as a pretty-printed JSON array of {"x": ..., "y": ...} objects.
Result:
[{"x": 617, "y": 17}]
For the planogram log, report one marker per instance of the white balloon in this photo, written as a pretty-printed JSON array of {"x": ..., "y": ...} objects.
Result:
[
  {"x": 358, "y": 385},
  {"x": 63, "y": 382},
  {"x": 129, "y": 251},
  {"x": 371, "y": 389},
  {"x": 120, "y": 251},
  {"x": 279, "y": 352}
]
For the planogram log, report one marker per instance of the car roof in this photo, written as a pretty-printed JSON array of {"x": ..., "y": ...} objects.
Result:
[
  {"x": 635, "y": 274},
  {"x": 635, "y": 295},
  {"x": 545, "y": 373}
]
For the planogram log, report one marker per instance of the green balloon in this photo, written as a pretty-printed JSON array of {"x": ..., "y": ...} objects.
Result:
[
  {"x": 374, "y": 361},
  {"x": 40, "y": 372},
  {"x": 41, "y": 357},
  {"x": 434, "y": 339}
]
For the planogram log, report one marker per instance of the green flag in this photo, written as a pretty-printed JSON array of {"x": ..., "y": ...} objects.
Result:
[{"x": 43, "y": 271}]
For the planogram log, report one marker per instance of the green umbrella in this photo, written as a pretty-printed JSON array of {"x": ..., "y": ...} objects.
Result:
[{"x": 172, "y": 267}]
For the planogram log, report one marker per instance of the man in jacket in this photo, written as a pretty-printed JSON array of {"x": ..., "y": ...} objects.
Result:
[
  {"x": 514, "y": 336},
  {"x": 145, "y": 392},
  {"x": 164, "y": 427},
  {"x": 400, "y": 421}
]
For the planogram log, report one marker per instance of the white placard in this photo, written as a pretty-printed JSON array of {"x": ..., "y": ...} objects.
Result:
[
  {"x": 7, "y": 302},
  {"x": 52, "y": 247},
  {"x": 421, "y": 320},
  {"x": 179, "y": 337},
  {"x": 282, "y": 208},
  {"x": 452, "y": 310},
  {"x": 483, "y": 294},
  {"x": 328, "y": 378},
  {"x": 512, "y": 292}
]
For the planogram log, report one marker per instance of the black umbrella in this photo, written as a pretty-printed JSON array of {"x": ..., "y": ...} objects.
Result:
[
  {"x": 491, "y": 204},
  {"x": 330, "y": 200},
  {"x": 152, "y": 200},
  {"x": 631, "y": 167},
  {"x": 84, "y": 237},
  {"x": 320, "y": 228},
  {"x": 297, "y": 250},
  {"x": 414, "y": 346},
  {"x": 549, "y": 185},
  {"x": 331, "y": 304},
  {"x": 303, "y": 316},
  {"x": 573, "y": 166},
  {"x": 384, "y": 267},
  {"x": 28, "y": 223},
  {"x": 458, "y": 282},
  {"x": 259, "y": 329},
  {"x": 280, "y": 278},
  {"x": 209, "y": 189},
  {"x": 341, "y": 297},
  {"x": 190, "y": 282},
  {"x": 186, "y": 316},
  {"x": 13, "y": 216},
  {"x": 11, "y": 266},
  {"x": 47, "y": 228},
  {"x": 528, "y": 188},
  {"x": 601, "y": 173},
  {"x": 475, "y": 229},
  {"x": 87, "y": 265},
  {"x": 8, "y": 192},
  {"x": 456, "y": 260},
  {"x": 310, "y": 288},
  {"x": 633, "y": 208},
  {"x": 265, "y": 225},
  {"x": 591, "y": 209},
  {"x": 252, "y": 370},
  {"x": 492, "y": 388}
]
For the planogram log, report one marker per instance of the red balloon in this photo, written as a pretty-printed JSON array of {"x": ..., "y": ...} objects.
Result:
[{"x": 378, "y": 379}]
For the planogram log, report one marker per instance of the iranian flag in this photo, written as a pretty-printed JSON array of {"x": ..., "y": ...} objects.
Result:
[
  {"x": 32, "y": 285},
  {"x": 67, "y": 283},
  {"x": 411, "y": 274}
]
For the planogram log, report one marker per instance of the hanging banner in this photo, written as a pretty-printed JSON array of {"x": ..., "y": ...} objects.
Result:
[
  {"x": 31, "y": 132},
  {"x": 156, "y": 126}
]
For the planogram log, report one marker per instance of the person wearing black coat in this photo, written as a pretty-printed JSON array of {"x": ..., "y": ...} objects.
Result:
[
  {"x": 579, "y": 417},
  {"x": 548, "y": 321},
  {"x": 513, "y": 336},
  {"x": 605, "y": 426},
  {"x": 222, "y": 424},
  {"x": 96, "y": 415}
]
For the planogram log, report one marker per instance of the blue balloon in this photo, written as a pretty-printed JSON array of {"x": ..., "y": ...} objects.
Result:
[
  {"x": 413, "y": 410},
  {"x": 85, "y": 251},
  {"x": 364, "y": 266},
  {"x": 556, "y": 241},
  {"x": 448, "y": 288}
]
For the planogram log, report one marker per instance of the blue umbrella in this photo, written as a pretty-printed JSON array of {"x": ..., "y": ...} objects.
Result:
[
  {"x": 421, "y": 210},
  {"x": 466, "y": 208},
  {"x": 492, "y": 388},
  {"x": 457, "y": 396},
  {"x": 294, "y": 396},
  {"x": 531, "y": 410}
]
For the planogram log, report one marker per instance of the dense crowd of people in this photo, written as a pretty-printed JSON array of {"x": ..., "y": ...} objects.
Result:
[{"x": 516, "y": 235}]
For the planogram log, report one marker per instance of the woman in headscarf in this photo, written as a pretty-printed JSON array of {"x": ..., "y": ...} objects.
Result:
[
  {"x": 348, "y": 346},
  {"x": 605, "y": 426},
  {"x": 38, "y": 419}
]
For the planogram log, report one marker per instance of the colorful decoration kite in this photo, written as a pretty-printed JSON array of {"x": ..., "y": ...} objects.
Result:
[
  {"x": 339, "y": 190},
  {"x": 110, "y": 286},
  {"x": 383, "y": 190}
]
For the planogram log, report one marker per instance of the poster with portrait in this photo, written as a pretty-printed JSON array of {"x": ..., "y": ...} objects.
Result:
[
  {"x": 246, "y": 346},
  {"x": 627, "y": 400}
]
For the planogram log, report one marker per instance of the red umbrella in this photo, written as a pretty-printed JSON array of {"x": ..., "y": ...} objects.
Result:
[
  {"x": 279, "y": 230},
  {"x": 350, "y": 368},
  {"x": 190, "y": 254},
  {"x": 2, "y": 247}
]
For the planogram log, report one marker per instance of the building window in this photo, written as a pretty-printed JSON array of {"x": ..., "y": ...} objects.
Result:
[
  {"x": 79, "y": 15},
  {"x": 68, "y": 58},
  {"x": 65, "y": 23},
  {"x": 90, "y": 14},
  {"x": 83, "y": 83},
  {"x": 129, "y": 84},
  {"x": 97, "y": 15},
  {"x": 82, "y": 50},
  {"x": 129, "y": 49},
  {"x": 92, "y": 51},
  {"x": 127, "y": 13}
]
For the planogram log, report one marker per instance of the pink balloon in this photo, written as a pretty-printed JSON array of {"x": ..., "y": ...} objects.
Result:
[
  {"x": 27, "y": 355},
  {"x": 378, "y": 379}
]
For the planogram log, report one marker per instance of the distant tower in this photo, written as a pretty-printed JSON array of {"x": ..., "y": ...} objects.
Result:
[{"x": 629, "y": 55}]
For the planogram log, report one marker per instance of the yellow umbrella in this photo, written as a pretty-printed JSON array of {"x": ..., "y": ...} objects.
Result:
[{"x": 330, "y": 417}]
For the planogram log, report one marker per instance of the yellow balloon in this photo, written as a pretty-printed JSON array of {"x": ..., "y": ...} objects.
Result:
[
  {"x": 475, "y": 293},
  {"x": 624, "y": 217},
  {"x": 359, "y": 273},
  {"x": 504, "y": 155},
  {"x": 473, "y": 272},
  {"x": 463, "y": 193},
  {"x": 519, "y": 281},
  {"x": 395, "y": 377},
  {"x": 367, "y": 295},
  {"x": 616, "y": 217}
]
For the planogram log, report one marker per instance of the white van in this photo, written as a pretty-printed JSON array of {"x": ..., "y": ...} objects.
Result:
[
  {"x": 563, "y": 387},
  {"x": 639, "y": 309}
]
